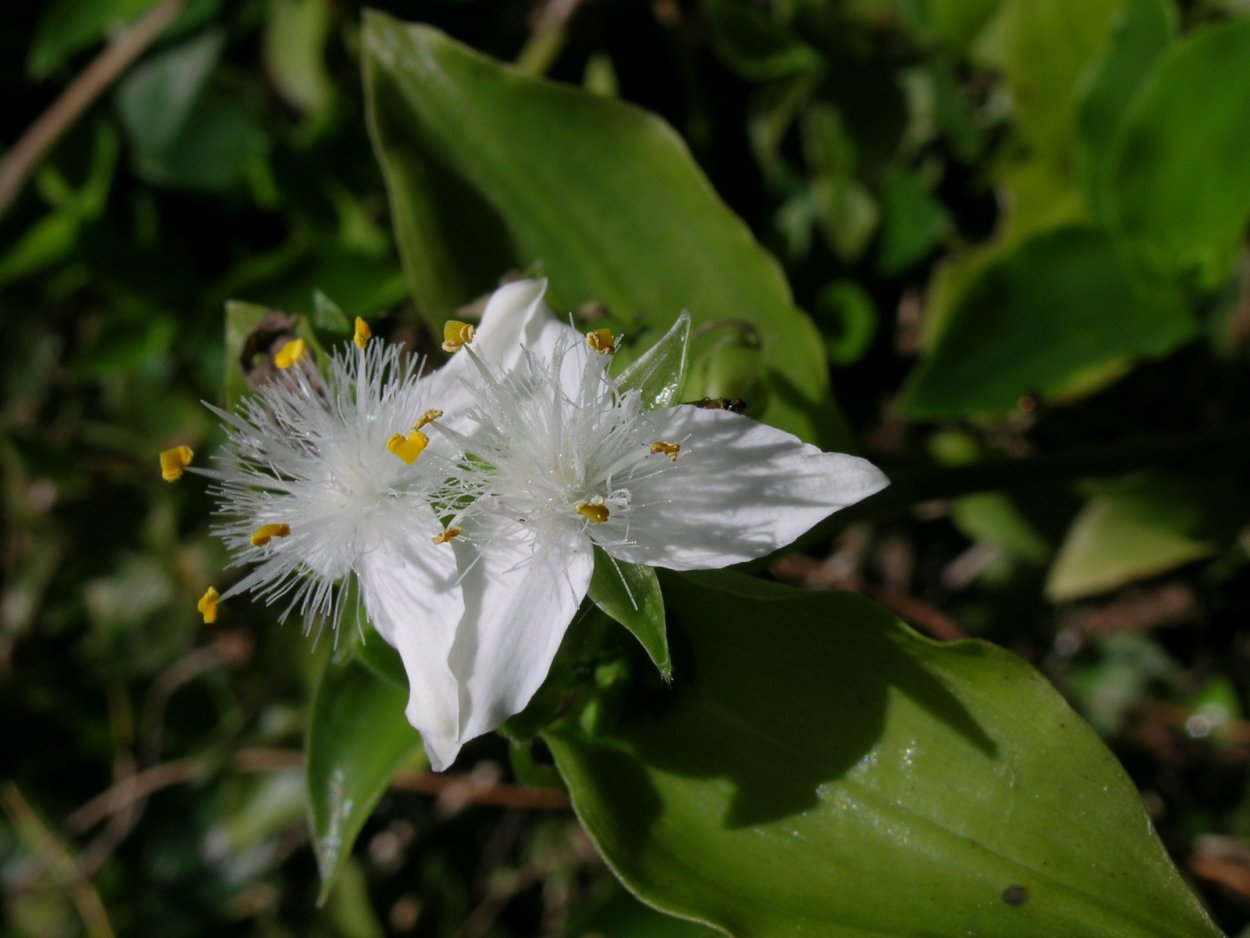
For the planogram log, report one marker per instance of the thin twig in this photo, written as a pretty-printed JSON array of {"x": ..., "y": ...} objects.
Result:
[
  {"x": 26, "y": 155},
  {"x": 261, "y": 761}
]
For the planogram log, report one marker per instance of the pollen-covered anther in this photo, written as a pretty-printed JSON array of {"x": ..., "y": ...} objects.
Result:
[
  {"x": 207, "y": 606},
  {"x": 428, "y": 417},
  {"x": 363, "y": 333},
  {"x": 447, "y": 535},
  {"x": 668, "y": 449},
  {"x": 456, "y": 335},
  {"x": 602, "y": 341},
  {"x": 291, "y": 353},
  {"x": 267, "y": 532},
  {"x": 594, "y": 510},
  {"x": 409, "y": 447},
  {"x": 173, "y": 461}
]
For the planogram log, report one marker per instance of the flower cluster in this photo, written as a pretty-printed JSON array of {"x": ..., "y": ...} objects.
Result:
[{"x": 464, "y": 505}]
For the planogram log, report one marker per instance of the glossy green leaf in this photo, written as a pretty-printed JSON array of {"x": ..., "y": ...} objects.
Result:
[
  {"x": 659, "y": 372},
  {"x": 1060, "y": 304},
  {"x": 1178, "y": 183},
  {"x": 630, "y": 594},
  {"x": 490, "y": 170},
  {"x": 358, "y": 738},
  {"x": 1141, "y": 33},
  {"x": 828, "y": 772}
]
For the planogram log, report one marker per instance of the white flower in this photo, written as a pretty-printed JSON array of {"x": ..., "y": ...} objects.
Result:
[
  {"x": 326, "y": 478},
  {"x": 567, "y": 461}
]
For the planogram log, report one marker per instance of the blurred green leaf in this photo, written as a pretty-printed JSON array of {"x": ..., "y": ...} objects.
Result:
[
  {"x": 1177, "y": 182},
  {"x": 836, "y": 774},
  {"x": 630, "y": 594},
  {"x": 848, "y": 317},
  {"x": 1063, "y": 302},
  {"x": 242, "y": 321},
  {"x": 1044, "y": 49},
  {"x": 489, "y": 170},
  {"x": 755, "y": 44},
  {"x": 1137, "y": 528},
  {"x": 185, "y": 129},
  {"x": 294, "y": 48},
  {"x": 47, "y": 242},
  {"x": 69, "y": 26},
  {"x": 1141, "y": 33},
  {"x": 912, "y": 222},
  {"x": 358, "y": 738}
]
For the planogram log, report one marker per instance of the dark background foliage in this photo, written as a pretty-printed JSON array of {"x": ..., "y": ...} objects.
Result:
[{"x": 1066, "y": 428}]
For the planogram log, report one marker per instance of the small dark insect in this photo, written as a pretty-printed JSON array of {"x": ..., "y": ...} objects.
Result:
[{"x": 733, "y": 404}]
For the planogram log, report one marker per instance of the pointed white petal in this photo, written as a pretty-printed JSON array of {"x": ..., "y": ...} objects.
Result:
[
  {"x": 738, "y": 490},
  {"x": 520, "y": 596},
  {"x": 440, "y": 752},
  {"x": 413, "y": 601}
]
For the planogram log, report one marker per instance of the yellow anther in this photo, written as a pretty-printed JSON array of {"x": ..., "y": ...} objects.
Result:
[
  {"x": 668, "y": 449},
  {"x": 447, "y": 535},
  {"x": 363, "y": 333},
  {"x": 267, "y": 532},
  {"x": 594, "y": 510},
  {"x": 409, "y": 447},
  {"x": 207, "y": 606},
  {"x": 428, "y": 417},
  {"x": 602, "y": 341},
  {"x": 291, "y": 353},
  {"x": 173, "y": 461},
  {"x": 456, "y": 335}
]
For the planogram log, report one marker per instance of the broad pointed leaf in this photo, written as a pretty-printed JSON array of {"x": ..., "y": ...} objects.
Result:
[
  {"x": 828, "y": 772},
  {"x": 659, "y": 372},
  {"x": 489, "y": 170}
]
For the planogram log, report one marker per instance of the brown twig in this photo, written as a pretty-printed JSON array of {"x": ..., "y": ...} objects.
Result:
[
  {"x": 22, "y": 160},
  {"x": 462, "y": 788}
]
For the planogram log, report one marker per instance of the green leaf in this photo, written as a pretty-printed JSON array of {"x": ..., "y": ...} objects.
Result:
[
  {"x": 1138, "y": 528},
  {"x": 630, "y": 594},
  {"x": 829, "y": 772},
  {"x": 69, "y": 26},
  {"x": 659, "y": 372},
  {"x": 1060, "y": 304},
  {"x": 358, "y": 738},
  {"x": 490, "y": 170},
  {"x": 1178, "y": 183},
  {"x": 1140, "y": 35},
  {"x": 294, "y": 46},
  {"x": 242, "y": 322},
  {"x": 755, "y": 44},
  {"x": 1044, "y": 50}
]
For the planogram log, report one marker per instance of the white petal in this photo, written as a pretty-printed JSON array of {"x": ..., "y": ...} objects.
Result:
[
  {"x": 413, "y": 601},
  {"x": 519, "y": 597},
  {"x": 738, "y": 490}
]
